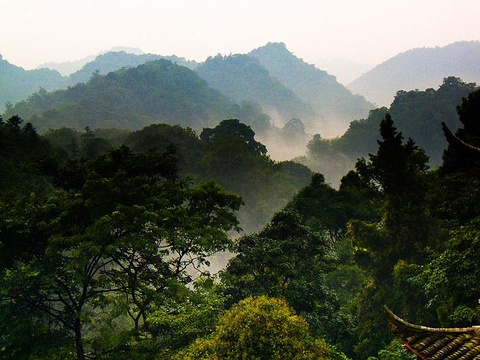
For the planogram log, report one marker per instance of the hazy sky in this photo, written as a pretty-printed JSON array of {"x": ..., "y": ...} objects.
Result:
[{"x": 367, "y": 31}]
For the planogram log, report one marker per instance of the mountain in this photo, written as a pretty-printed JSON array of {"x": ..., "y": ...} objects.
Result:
[
  {"x": 335, "y": 104},
  {"x": 69, "y": 67},
  {"x": 420, "y": 69},
  {"x": 158, "y": 91},
  {"x": 417, "y": 114},
  {"x": 17, "y": 83},
  {"x": 243, "y": 78},
  {"x": 115, "y": 60}
]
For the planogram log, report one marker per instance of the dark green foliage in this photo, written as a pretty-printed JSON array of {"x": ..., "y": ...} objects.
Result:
[
  {"x": 419, "y": 113},
  {"x": 449, "y": 281},
  {"x": 239, "y": 167},
  {"x": 398, "y": 171},
  {"x": 126, "y": 230},
  {"x": 233, "y": 128},
  {"x": 20, "y": 149},
  {"x": 287, "y": 259},
  {"x": 189, "y": 148},
  {"x": 469, "y": 116},
  {"x": 329, "y": 210},
  {"x": 405, "y": 235}
]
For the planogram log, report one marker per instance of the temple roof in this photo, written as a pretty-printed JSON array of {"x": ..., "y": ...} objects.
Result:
[{"x": 437, "y": 343}]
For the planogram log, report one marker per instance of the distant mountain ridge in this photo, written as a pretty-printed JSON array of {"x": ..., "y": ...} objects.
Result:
[
  {"x": 17, "y": 83},
  {"x": 243, "y": 78},
  {"x": 335, "y": 104},
  {"x": 420, "y": 69},
  {"x": 115, "y": 60},
  {"x": 67, "y": 68}
]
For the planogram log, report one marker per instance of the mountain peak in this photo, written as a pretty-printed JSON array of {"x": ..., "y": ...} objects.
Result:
[{"x": 273, "y": 48}]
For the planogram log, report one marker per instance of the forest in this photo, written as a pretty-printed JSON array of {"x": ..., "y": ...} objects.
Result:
[
  {"x": 107, "y": 237},
  {"x": 146, "y": 211}
]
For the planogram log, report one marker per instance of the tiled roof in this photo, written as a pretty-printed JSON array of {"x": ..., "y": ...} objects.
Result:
[{"x": 437, "y": 343}]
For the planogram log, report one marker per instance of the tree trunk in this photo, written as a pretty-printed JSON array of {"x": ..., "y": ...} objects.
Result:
[{"x": 78, "y": 340}]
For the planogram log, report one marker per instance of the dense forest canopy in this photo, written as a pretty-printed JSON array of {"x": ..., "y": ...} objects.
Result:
[
  {"x": 105, "y": 250},
  {"x": 142, "y": 216}
]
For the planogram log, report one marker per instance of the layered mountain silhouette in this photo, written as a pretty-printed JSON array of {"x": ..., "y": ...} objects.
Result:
[
  {"x": 115, "y": 60},
  {"x": 335, "y": 104},
  {"x": 268, "y": 80},
  {"x": 420, "y": 69},
  {"x": 243, "y": 78},
  {"x": 156, "y": 92},
  {"x": 67, "y": 68},
  {"x": 17, "y": 83}
]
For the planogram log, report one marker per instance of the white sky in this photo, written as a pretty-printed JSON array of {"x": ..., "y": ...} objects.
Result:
[{"x": 368, "y": 31}]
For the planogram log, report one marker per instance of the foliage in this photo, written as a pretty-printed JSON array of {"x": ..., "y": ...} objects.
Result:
[
  {"x": 259, "y": 328},
  {"x": 394, "y": 351},
  {"x": 233, "y": 128},
  {"x": 17, "y": 83},
  {"x": 288, "y": 259},
  {"x": 469, "y": 116},
  {"x": 124, "y": 227},
  {"x": 238, "y": 165},
  {"x": 20, "y": 149},
  {"x": 449, "y": 280},
  {"x": 116, "y": 60},
  {"x": 180, "y": 323}
]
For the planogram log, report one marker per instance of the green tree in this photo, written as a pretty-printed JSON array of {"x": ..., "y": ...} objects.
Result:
[
  {"x": 128, "y": 228},
  {"x": 259, "y": 328},
  {"x": 234, "y": 128},
  {"x": 398, "y": 170},
  {"x": 288, "y": 259},
  {"x": 404, "y": 235},
  {"x": 469, "y": 115}
]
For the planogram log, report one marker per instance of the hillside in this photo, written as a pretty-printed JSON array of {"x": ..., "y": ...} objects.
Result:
[
  {"x": 335, "y": 104},
  {"x": 243, "y": 78},
  {"x": 158, "y": 91},
  {"x": 417, "y": 114},
  {"x": 115, "y": 60},
  {"x": 17, "y": 83},
  {"x": 419, "y": 69},
  {"x": 67, "y": 68}
]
